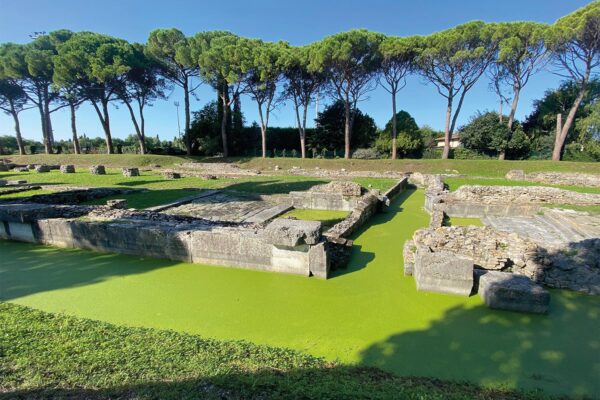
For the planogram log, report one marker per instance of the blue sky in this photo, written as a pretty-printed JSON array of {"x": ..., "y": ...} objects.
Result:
[{"x": 294, "y": 21}]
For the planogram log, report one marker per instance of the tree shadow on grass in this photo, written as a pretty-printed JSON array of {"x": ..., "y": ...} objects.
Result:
[{"x": 274, "y": 186}]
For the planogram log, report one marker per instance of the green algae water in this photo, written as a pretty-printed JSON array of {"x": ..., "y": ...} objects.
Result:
[{"x": 368, "y": 314}]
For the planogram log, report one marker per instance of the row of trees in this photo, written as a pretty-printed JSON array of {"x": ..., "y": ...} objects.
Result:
[{"x": 65, "y": 69}]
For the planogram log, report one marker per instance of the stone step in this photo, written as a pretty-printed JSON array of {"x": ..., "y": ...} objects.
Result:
[
  {"x": 566, "y": 226},
  {"x": 561, "y": 230},
  {"x": 588, "y": 226},
  {"x": 183, "y": 200},
  {"x": 269, "y": 213}
]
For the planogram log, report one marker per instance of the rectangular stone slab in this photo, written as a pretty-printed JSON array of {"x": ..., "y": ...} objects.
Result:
[
  {"x": 443, "y": 272},
  {"x": 506, "y": 291}
]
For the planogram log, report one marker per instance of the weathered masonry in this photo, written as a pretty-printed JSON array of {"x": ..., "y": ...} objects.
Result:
[{"x": 271, "y": 244}]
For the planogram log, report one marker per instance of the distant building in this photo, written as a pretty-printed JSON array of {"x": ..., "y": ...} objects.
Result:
[{"x": 454, "y": 141}]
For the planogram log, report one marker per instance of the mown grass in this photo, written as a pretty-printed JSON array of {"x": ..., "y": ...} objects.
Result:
[
  {"x": 457, "y": 221},
  {"x": 47, "y": 356},
  {"x": 163, "y": 190},
  {"x": 490, "y": 168},
  {"x": 327, "y": 217},
  {"x": 455, "y": 183},
  {"x": 25, "y": 193}
]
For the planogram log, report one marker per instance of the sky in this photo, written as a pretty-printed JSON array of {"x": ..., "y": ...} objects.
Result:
[{"x": 298, "y": 22}]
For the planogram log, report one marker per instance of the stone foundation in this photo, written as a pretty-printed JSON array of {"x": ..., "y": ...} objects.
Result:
[
  {"x": 556, "y": 178},
  {"x": 159, "y": 235}
]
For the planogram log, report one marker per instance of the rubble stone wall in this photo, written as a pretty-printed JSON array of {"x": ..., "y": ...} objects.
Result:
[
  {"x": 556, "y": 178},
  {"x": 195, "y": 242}
]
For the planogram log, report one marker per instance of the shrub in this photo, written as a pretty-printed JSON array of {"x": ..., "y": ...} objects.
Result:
[{"x": 366, "y": 154}]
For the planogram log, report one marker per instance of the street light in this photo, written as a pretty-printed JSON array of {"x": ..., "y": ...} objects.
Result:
[{"x": 176, "y": 104}]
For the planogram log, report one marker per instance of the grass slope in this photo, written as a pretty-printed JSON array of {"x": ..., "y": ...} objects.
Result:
[
  {"x": 54, "y": 356},
  {"x": 491, "y": 168},
  {"x": 164, "y": 190}
]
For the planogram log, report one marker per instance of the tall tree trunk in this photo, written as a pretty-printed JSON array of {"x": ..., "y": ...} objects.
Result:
[
  {"x": 15, "y": 116},
  {"x": 186, "y": 103},
  {"x": 47, "y": 146},
  {"x": 136, "y": 126},
  {"x": 557, "y": 138},
  {"x": 447, "y": 132},
  {"x": 76, "y": 147},
  {"x": 225, "y": 103},
  {"x": 560, "y": 139},
  {"x": 511, "y": 119},
  {"x": 347, "y": 130},
  {"x": 303, "y": 132},
  {"x": 49, "y": 133},
  {"x": 142, "y": 129},
  {"x": 263, "y": 130},
  {"x": 106, "y": 126},
  {"x": 394, "y": 126},
  {"x": 301, "y": 125}
]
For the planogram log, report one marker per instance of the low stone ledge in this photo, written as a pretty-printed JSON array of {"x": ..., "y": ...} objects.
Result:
[
  {"x": 443, "y": 272},
  {"x": 556, "y": 178},
  {"x": 365, "y": 208},
  {"x": 526, "y": 195},
  {"x": 505, "y": 291},
  {"x": 292, "y": 232}
]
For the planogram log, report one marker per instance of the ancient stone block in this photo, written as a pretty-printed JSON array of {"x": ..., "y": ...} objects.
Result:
[
  {"x": 22, "y": 169},
  {"x": 409, "y": 257},
  {"x": 443, "y": 272},
  {"x": 3, "y": 168},
  {"x": 42, "y": 168},
  {"x": 292, "y": 232},
  {"x": 507, "y": 291},
  {"x": 516, "y": 174},
  {"x": 129, "y": 172},
  {"x": 117, "y": 203},
  {"x": 318, "y": 262},
  {"x": 30, "y": 166},
  {"x": 97, "y": 170},
  {"x": 67, "y": 169},
  {"x": 171, "y": 175},
  {"x": 21, "y": 231}
]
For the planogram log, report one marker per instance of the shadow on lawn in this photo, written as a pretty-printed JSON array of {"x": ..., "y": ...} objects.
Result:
[{"x": 274, "y": 186}]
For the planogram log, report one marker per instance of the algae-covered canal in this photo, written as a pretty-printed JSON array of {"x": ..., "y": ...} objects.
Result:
[{"x": 369, "y": 313}]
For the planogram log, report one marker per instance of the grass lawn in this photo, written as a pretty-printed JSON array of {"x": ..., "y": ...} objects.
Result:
[
  {"x": 457, "y": 221},
  {"x": 367, "y": 315},
  {"x": 164, "y": 190},
  {"x": 25, "y": 193},
  {"x": 327, "y": 217},
  {"x": 491, "y": 168}
]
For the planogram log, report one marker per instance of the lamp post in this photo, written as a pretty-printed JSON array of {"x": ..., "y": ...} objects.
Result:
[{"x": 176, "y": 104}]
